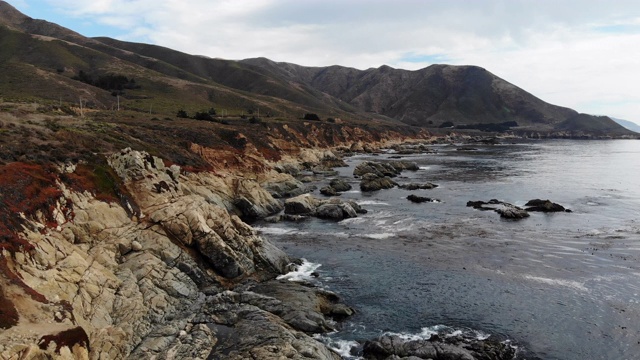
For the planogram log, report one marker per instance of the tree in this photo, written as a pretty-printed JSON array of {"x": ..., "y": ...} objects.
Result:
[{"x": 212, "y": 112}]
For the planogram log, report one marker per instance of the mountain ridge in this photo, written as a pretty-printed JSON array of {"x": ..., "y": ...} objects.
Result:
[{"x": 459, "y": 97}]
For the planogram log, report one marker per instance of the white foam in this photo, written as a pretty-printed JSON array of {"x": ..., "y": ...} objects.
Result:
[
  {"x": 424, "y": 167},
  {"x": 273, "y": 230},
  {"x": 379, "y": 236},
  {"x": 342, "y": 347},
  {"x": 303, "y": 272},
  {"x": 442, "y": 330},
  {"x": 355, "y": 220},
  {"x": 372, "y": 202},
  {"x": 558, "y": 282}
]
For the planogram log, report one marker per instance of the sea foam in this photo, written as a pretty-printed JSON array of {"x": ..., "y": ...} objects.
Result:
[{"x": 303, "y": 272}]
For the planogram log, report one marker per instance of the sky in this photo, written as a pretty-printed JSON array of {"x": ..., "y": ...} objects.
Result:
[{"x": 582, "y": 54}]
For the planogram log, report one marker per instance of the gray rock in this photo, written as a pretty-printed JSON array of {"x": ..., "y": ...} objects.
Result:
[
  {"x": 416, "y": 186},
  {"x": 506, "y": 210},
  {"x": 300, "y": 205},
  {"x": 545, "y": 206},
  {"x": 336, "y": 211},
  {"x": 340, "y": 185},
  {"x": 394, "y": 347},
  {"x": 372, "y": 182},
  {"x": 328, "y": 191}
]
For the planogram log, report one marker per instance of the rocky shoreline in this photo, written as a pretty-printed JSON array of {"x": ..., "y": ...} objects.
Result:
[{"x": 171, "y": 270}]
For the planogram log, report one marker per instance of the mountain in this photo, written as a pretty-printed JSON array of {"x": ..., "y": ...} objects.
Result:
[
  {"x": 630, "y": 125},
  {"x": 44, "y": 60}
]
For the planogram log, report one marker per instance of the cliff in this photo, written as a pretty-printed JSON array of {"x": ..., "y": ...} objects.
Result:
[{"x": 135, "y": 256}]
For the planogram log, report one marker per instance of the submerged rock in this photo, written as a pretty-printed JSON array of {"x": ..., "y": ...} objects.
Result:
[
  {"x": 506, "y": 210},
  {"x": 416, "y": 186},
  {"x": 420, "y": 199}
]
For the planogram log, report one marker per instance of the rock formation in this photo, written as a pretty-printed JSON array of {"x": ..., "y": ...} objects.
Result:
[
  {"x": 174, "y": 273},
  {"x": 506, "y": 210},
  {"x": 334, "y": 208}
]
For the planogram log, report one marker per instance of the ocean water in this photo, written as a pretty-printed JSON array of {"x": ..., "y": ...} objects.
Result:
[{"x": 556, "y": 286}]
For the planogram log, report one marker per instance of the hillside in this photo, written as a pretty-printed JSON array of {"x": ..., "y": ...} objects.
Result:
[
  {"x": 40, "y": 60},
  {"x": 460, "y": 95},
  {"x": 630, "y": 125}
]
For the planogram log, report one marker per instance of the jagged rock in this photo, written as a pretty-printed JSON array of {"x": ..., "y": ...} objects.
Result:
[
  {"x": 545, "y": 206},
  {"x": 282, "y": 185},
  {"x": 390, "y": 347},
  {"x": 336, "y": 211},
  {"x": 328, "y": 191},
  {"x": 340, "y": 185},
  {"x": 416, "y": 186},
  {"x": 372, "y": 182},
  {"x": 382, "y": 169},
  {"x": 142, "y": 287},
  {"x": 506, "y": 210},
  {"x": 333, "y": 208},
  {"x": 285, "y": 217},
  {"x": 301, "y": 205}
]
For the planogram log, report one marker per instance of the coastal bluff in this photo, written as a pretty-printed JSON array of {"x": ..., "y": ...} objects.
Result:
[{"x": 143, "y": 258}]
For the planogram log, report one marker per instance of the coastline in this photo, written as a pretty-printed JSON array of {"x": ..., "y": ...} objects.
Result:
[{"x": 171, "y": 268}]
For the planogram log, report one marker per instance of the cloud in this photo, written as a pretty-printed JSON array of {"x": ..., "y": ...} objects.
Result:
[{"x": 578, "y": 56}]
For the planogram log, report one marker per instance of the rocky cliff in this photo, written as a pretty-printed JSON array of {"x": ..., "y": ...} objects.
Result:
[{"x": 161, "y": 264}]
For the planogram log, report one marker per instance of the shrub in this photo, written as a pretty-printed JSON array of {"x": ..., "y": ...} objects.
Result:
[
  {"x": 311, "y": 116},
  {"x": 182, "y": 114},
  {"x": 203, "y": 116}
]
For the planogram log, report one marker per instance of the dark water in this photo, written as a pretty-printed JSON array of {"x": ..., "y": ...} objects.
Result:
[{"x": 557, "y": 286}]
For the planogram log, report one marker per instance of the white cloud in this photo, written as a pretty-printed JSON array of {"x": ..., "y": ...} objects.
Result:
[{"x": 581, "y": 55}]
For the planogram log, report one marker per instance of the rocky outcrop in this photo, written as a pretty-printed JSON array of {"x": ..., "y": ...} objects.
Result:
[
  {"x": 506, "y": 210},
  {"x": 382, "y": 169},
  {"x": 335, "y": 187},
  {"x": 544, "y": 206},
  {"x": 170, "y": 274},
  {"x": 391, "y": 347},
  {"x": 372, "y": 182},
  {"x": 333, "y": 209},
  {"x": 377, "y": 175}
]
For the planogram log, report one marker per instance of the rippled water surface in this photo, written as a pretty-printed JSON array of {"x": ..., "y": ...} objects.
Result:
[{"x": 558, "y": 286}]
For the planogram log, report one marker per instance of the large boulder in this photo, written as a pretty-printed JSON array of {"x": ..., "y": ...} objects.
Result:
[
  {"x": 334, "y": 208},
  {"x": 372, "y": 182},
  {"x": 301, "y": 205},
  {"x": 340, "y": 185}
]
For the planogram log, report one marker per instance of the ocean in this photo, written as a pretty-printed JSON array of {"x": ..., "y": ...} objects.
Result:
[{"x": 554, "y": 285}]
